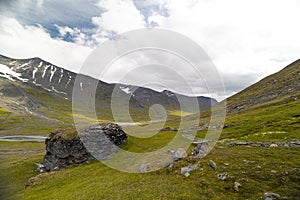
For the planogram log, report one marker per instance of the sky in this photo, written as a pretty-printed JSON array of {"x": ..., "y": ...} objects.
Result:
[{"x": 246, "y": 40}]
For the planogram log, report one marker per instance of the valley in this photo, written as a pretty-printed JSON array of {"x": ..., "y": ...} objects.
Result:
[{"x": 256, "y": 156}]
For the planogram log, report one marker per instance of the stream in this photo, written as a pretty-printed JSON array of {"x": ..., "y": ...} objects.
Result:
[
  {"x": 20, "y": 138},
  {"x": 37, "y": 138}
]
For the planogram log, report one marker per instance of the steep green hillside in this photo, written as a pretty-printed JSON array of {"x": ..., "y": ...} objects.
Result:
[{"x": 283, "y": 86}]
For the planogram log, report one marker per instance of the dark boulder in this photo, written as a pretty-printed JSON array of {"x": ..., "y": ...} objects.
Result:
[{"x": 66, "y": 147}]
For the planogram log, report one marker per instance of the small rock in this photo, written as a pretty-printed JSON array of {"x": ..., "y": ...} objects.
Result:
[
  {"x": 273, "y": 145},
  {"x": 179, "y": 154},
  {"x": 222, "y": 176},
  {"x": 226, "y": 164},
  {"x": 245, "y": 161},
  {"x": 273, "y": 171},
  {"x": 171, "y": 151},
  {"x": 212, "y": 164},
  {"x": 271, "y": 196},
  {"x": 168, "y": 129},
  {"x": 258, "y": 167},
  {"x": 236, "y": 186},
  {"x": 185, "y": 170},
  {"x": 40, "y": 167},
  {"x": 142, "y": 168}
]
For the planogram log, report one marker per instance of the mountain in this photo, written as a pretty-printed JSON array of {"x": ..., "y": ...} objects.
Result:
[
  {"x": 283, "y": 86},
  {"x": 34, "y": 88}
]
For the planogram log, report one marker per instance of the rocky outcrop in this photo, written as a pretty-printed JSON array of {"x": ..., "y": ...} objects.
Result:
[
  {"x": 66, "y": 147},
  {"x": 291, "y": 144}
]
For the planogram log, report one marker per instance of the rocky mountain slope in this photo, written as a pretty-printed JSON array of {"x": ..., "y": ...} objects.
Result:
[
  {"x": 282, "y": 86},
  {"x": 34, "y": 86}
]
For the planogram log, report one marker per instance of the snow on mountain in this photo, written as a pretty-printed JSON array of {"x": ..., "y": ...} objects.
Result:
[{"x": 6, "y": 72}]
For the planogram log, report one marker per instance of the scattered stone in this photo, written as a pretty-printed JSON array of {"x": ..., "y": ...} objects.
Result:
[
  {"x": 273, "y": 171},
  {"x": 185, "y": 170},
  {"x": 245, "y": 161},
  {"x": 226, "y": 164},
  {"x": 142, "y": 168},
  {"x": 290, "y": 144},
  {"x": 222, "y": 176},
  {"x": 40, "y": 167},
  {"x": 258, "y": 167},
  {"x": 205, "y": 125},
  {"x": 271, "y": 196},
  {"x": 212, "y": 164},
  {"x": 168, "y": 129},
  {"x": 171, "y": 151},
  {"x": 180, "y": 153},
  {"x": 202, "y": 147},
  {"x": 228, "y": 126},
  {"x": 236, "y": 186}
]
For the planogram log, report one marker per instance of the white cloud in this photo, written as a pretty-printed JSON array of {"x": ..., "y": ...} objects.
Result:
[
  {"x": 119, "y": 16},
  {"x": 247, "y": 40},
  {"x": 240, "y": 36},
  {"x": 19, "y": 41}
]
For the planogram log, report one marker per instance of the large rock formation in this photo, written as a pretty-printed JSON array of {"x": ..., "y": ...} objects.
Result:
[{"x": 66, "y": 147}]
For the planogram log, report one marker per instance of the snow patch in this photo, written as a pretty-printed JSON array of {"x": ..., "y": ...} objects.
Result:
[
  {"x": 61, "y": 75},
  {"x": 41, "y": 63},
  {"x": 70, "y": 78},
  {"x": 53, "y": 70},
  {"x": 44, "y": 73},
  {"x": 55, "y": 90},
  {"x": 126, "y": 90},
  {"x": 23, "y": 65},
  {"x": 33, "y": 73},
  {"x": 9, "y": 73}
]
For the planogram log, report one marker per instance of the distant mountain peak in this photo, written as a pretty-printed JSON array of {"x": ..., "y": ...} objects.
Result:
[{"x": 60, "y": 82}]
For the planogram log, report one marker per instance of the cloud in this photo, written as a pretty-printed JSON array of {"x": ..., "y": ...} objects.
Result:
[
  {"x": 119, "y": 16},
  {"x": 151, "y": 7},
  {"x": 247, "y": 40},
  {"x": 240, "y": 36},
  {"x": 20, "y": 41}
]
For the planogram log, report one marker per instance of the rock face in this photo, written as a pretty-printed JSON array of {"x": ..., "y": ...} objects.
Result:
[{"x": 65, "y": 147}]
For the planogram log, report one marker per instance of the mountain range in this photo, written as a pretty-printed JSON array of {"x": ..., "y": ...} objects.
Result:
[{"x": 38, "y": 92}]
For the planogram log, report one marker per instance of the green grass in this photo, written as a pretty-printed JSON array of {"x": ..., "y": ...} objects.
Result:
[
  {"x": 268, "y": 120},
  {"x": 96, "y": 181},
  {"x": 17, "y": 166}
]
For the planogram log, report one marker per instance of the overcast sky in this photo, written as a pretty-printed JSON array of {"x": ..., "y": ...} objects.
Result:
[{"x": 246, "y": 40}]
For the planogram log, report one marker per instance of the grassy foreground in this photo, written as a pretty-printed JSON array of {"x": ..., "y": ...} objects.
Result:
[{"x": 249, "y": 166}]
